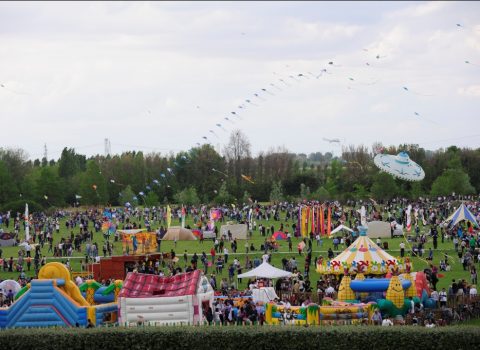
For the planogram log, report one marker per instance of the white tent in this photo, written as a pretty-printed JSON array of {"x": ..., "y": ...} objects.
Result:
[
  {"x": 341, "y": 227},
  {"x": 265, "y": 270}
]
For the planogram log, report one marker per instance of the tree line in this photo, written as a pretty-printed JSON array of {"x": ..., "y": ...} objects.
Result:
[{"x": 203, "y": 175}]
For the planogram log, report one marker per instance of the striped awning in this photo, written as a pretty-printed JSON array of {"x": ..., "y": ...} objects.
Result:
[{"x": 363, "y": 255}]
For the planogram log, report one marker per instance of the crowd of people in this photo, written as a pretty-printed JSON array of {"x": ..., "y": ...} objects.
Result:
[{"x": 84, "y": 227}]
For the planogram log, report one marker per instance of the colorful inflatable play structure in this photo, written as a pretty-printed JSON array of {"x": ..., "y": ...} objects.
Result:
[
  {"x": 55, "y": 300},
  {"x": 381, "y": 281},
  {"x": 314, "y": 314},
  {"x": 158, "y": 300}
]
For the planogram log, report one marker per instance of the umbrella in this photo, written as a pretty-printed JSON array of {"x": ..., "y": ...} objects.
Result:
[{"x": 400, "y": 166}]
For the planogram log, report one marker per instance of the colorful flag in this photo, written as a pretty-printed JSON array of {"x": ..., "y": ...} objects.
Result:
[{"x": 169, "y": 216}]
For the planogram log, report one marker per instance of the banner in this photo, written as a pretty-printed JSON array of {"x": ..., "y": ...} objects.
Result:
[{"x": 169, "y": 216}]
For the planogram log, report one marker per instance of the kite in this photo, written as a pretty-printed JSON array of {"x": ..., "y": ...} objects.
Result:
[
  {"x": 162, "y": 175},
  {"x": 268, "y": 92},
  {"x": 248, "y": 101},
  {"x": 46, "y": 197},
  {"x": 77, "y": 196},
  {"x": 275, "y": 86},
  {"x": 248, "y": 178},
  {"x": 141, "y": 193},
  {"x": 400, "y": 166},
  {"x": 421, "y": 116},
  {"x": 170, "y": 171},
  {"x": 204, "y": 137},
  {"x": 321, "y": 72},
  {"x": 414, "y": 92},
  {"x": 459, "y": 25},
  {"x": 378, "y": 57},
  {"x": 228, "y": 120},
  {"x": 14, "y": 91},
  {"x": 259, "y": 97},
  {"x": 291, "y": 76},
  {"x": 213, "y": 132},
  {"x": 473, "y": 64},
  {"x": 221, "y": 127},
  {"x": 332, "y": 64},
  {"x": 218, "y": 171},
  {"x": 332, "y": 140},
  {"x": 156, "y": 182},
  {"x": 283, "y": 81},
  {"x": 236, "y": 114},
  {"x": 148, "y": 188}
]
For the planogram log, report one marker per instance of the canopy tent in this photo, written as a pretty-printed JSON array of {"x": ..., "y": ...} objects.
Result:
[
  {"x": 379, "y": 229},
  {"x": 265, "y": 270},
  {"x": 363, "y": 255},
  {"x": 238, "y": 231},
  {"x": 341, "y": 227},
  {"x": 462, "y": 213},
  {"x": 179, "y": 234}
]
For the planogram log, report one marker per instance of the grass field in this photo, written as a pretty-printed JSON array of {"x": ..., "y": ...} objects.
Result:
[{"x": 457, "y": 271}]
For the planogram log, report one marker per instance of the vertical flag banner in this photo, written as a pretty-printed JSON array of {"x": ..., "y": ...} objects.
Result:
[
  {"x": 169, "y": 216},
  {"x": 27, "y": 224},
  {"x": 329, "y": 221}
]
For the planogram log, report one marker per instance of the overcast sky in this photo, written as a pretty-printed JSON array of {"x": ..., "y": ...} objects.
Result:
[{"x": 158, "y": 76}]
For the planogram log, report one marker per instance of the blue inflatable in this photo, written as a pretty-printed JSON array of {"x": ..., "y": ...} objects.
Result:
[{"x": 375, "y": 285}]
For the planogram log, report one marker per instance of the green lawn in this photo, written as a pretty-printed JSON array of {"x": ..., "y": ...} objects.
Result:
[{"x": 195, "y": 246}]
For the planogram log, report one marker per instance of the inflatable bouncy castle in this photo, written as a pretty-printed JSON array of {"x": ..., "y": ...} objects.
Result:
[
  {"x": 54, "y": 300},
  {"x": 153, "y": 299}
]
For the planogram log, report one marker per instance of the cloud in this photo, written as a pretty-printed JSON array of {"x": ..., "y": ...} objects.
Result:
[{"x": 473, "y": 90}]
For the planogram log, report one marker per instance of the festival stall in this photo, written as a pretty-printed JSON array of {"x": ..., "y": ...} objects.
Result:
[{"x": 137, "y": 241}]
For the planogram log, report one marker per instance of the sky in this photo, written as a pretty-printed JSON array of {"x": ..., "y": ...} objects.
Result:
[{"x": 160, "y": 76}]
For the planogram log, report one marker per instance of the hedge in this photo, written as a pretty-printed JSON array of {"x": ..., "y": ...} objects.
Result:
[{"x": 246, "y": 337}]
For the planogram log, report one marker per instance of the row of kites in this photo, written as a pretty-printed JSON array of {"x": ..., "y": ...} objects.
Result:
[{"x": 284, "y": 82}]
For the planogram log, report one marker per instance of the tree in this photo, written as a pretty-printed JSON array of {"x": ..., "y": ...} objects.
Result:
[
  {"x": 93, "y": 187},
  {"x": 8, "y": 189},
  {"x": 304, "y": 191},
  {"x": 236, "y": 151},
  {"x": 126, "y": 196},
  {"x": 452, "y": 180},
  {"x": 49, "y": 184},
  {"x": 70, "y": 163},
  {"x": 321, "y": 194},
  {"x": 223, "y": 196},
  {"x": 151, "y": 199},
  {"x": 276, "y": 195},
  {"x": 384, "y": 186},
  {"x": 188, "y": 196}
]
